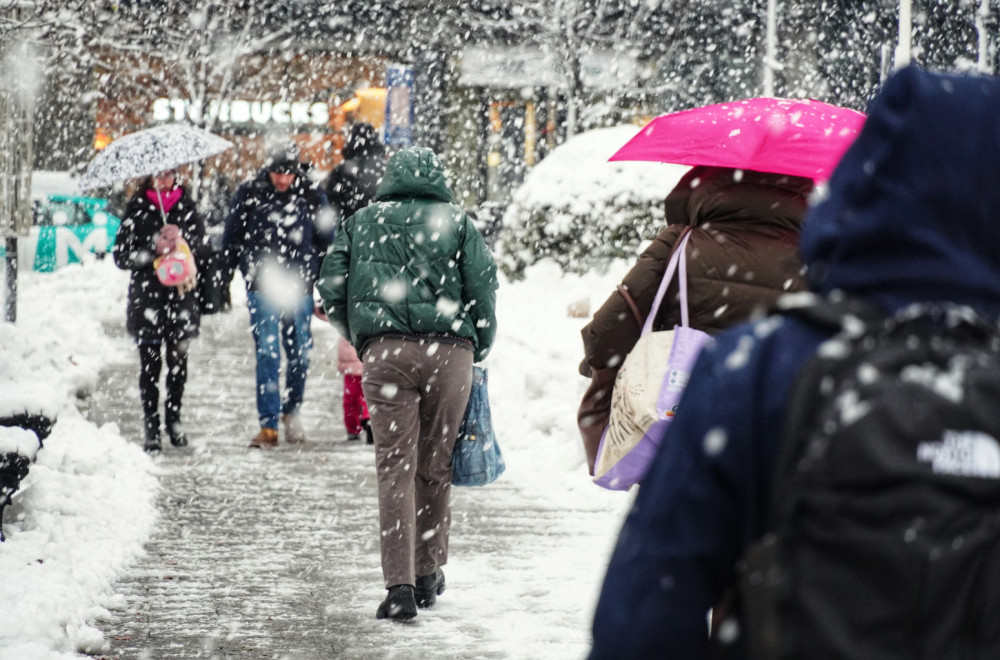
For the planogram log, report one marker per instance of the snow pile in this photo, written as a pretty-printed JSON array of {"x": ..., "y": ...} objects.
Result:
[
  {"x": 534, "y": 385},
  {"x": 87, "y": 504},
  {"x": 14, "y": 440},
  {"x": 580, "y": 210}
]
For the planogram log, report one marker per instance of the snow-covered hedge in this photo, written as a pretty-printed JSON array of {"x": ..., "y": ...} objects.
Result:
[{"x": 580, "y": 210}]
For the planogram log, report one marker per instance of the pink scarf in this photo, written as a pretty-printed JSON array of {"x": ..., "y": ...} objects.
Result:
[{"x": 164, "y": 200}]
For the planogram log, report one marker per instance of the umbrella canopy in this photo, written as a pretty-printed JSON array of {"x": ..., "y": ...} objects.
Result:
[
  {"x": 798, "y": 137},
  {"x": 150, "y": 151}
]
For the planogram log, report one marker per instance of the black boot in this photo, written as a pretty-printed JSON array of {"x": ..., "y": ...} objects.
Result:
[
  {"x": 176, "y": 432},
  {"x": 152, "y": 442},
  {"x": 429, "y": 587},
  {"x": 399, "y": 604},
  {"x": 152, "y": 428},
  {"x": 367, "y": 427}
]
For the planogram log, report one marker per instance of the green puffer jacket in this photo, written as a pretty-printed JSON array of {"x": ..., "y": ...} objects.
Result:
[{"x": 411, "y": 263}]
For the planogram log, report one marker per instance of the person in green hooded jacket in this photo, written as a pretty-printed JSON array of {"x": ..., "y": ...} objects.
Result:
[{"x": 410, "y": 283}]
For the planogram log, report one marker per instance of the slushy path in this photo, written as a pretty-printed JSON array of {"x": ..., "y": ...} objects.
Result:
[{"x": 274, "y": 554}]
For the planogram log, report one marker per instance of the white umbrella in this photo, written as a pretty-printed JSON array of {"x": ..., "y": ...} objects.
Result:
[{"x": 149, "y": 151}]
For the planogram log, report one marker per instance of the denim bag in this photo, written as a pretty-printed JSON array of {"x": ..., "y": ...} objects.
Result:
[{"x": 477, "y": 460}]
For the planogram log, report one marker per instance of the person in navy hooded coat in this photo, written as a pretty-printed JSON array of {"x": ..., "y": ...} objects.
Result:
[
  {"x": 278, "y": 230},
  {"x": 911, "y": 216}
]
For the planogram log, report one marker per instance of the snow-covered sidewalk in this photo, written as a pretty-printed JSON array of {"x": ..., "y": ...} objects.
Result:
[{"x": 88, "y": 504}]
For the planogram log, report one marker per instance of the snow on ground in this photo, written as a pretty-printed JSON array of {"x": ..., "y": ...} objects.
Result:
[{"x": 87, "y": 505}]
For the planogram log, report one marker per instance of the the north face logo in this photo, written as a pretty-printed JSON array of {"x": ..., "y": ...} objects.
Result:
[{"x": 963, "y": 453}]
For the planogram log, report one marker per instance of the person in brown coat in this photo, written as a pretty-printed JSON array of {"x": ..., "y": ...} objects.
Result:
[{"x": 742, "y": 255}]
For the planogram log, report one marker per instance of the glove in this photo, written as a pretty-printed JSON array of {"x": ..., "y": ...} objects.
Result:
[
  {"x": 166, "y": 240},
  {"x": 191, "y": 283},
  {"x": 188, "y": 285}
]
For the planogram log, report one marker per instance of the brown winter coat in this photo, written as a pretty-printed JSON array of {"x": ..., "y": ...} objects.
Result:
[{"x": 742, "y": 254}]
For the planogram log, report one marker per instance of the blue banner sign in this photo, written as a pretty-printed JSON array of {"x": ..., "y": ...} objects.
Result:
[{"x": 399, "y": 106}]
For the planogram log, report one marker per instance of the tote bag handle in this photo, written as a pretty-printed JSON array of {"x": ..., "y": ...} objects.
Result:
[{"x": 678, "y": 258}]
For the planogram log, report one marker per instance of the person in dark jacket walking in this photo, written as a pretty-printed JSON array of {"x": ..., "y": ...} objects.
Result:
[
  {"x": 352, "y": 186},
  {"x": 742, "y": 255},
  {"x": 410, "y": 283},
  {"x": 353, "y": 183},
  {"x": 161, "y": 318},
  {"x": 910, "y": 218},
  {"x": 278, "y": 230}
]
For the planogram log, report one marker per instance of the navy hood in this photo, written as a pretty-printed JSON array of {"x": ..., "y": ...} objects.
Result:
[{"x": 913, "y": 209}]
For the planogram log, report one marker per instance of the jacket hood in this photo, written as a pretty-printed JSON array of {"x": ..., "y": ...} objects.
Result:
[
  {"x": 913, "y": 208},
  {"x": 301, "y": 185},
  {"x": 414, "y": 172},
  {"x": 706, "y": 194},
  {"x": 362, "y": 141}
]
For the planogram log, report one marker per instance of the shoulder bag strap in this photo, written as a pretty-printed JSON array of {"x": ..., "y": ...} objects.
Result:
[
  {"x": 627, "y": 297},
  {"x": 683, "y": 283},
  {"x": 676, "y": 257}
]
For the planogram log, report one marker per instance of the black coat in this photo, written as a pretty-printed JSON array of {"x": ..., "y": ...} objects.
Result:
[
  {"x": 155, "y": 311},
  {"x": 353, "y": 183},
  {"x": 291, "y": 230}
]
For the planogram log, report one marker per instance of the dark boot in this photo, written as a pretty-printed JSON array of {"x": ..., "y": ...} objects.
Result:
[
  {"x": 176, "y": 432},
  {"x": 399, "y": 604},
  {"x": 367, "y": 428},
  {"x": 152, "y": 441},
  {"x": 151, "y": 425},
  {"x": 428, "y": 588}
]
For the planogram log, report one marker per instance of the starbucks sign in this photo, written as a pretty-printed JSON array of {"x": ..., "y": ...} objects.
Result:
[{"x": 244, "y": 112}]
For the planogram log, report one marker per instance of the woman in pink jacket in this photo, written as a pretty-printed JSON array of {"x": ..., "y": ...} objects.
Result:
[{"x": 355, "y": 407}]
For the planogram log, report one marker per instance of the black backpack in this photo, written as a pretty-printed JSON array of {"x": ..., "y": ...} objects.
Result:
[{"x": 886, "y": 506}]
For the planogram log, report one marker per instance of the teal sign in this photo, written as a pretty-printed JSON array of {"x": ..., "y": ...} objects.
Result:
[
  {"x": 60, "y": 246},
  {"x": 67, "y": 228}
]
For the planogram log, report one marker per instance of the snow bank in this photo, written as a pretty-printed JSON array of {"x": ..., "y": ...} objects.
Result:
[{"x": 87, "y": 504}]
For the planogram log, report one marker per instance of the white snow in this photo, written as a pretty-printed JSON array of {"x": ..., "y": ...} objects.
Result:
[
  {"x": 18, "y": 441},
  {"x": 579, "y": 177},
  {"x": 86, "y": 506},
  {"x": 88, "y": 503}
]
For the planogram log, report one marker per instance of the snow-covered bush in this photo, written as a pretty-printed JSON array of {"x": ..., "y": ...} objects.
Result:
[{"x": 582, "y": 211}]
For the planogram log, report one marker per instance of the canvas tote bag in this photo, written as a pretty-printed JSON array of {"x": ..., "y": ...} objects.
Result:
[{"x": 648, "y": 387}]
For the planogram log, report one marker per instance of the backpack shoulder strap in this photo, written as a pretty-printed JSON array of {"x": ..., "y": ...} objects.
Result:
[{"x": 842, "y": 316}]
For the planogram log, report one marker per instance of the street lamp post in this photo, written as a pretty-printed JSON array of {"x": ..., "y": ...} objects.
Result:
[
  {"x": 771, "y": 48},
  {"x": 19, "y": 77},
  {"x": 983, "y": 22},
  {"x": 905, "y": 29}
]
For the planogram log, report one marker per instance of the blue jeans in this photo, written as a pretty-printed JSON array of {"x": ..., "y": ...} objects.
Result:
[{"x": 268, "y": 323}]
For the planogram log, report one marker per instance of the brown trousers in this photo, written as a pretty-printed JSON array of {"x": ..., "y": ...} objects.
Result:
[{"x": 416, "y": 392}]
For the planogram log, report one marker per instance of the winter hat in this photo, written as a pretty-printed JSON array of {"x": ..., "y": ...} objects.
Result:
[
  {"x": 362, "y": 141},
  {"x": 283, "y": 157}
]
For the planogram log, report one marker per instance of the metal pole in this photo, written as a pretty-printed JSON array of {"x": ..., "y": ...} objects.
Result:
[
  {"x": 905, "y": 31},
  {"x": 771, "y": 49},
  {"x": 17, "y": 111},
  {"x": 982, "y": 21},
  {"x": 10, "y": 289}
]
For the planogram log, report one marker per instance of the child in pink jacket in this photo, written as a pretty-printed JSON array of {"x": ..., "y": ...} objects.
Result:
[{"x": 355, "y": 407}]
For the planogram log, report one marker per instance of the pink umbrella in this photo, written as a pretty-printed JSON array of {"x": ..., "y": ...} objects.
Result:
[{"x": 799, "y": 137}]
